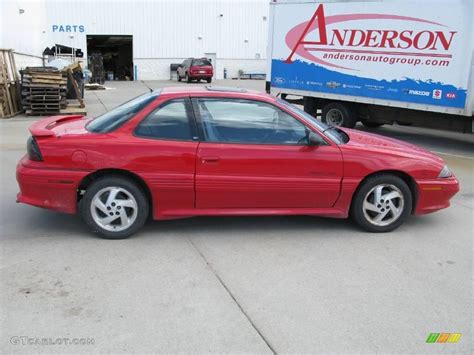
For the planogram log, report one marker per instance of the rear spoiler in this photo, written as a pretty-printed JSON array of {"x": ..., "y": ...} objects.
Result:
[{"x": 42, "y": 128}]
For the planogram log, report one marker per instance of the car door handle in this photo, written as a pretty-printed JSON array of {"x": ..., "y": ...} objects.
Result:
[{"x": 209, "y": 160}]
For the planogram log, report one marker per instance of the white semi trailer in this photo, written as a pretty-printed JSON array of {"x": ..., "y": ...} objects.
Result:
[{"x": 377, "y": 62}]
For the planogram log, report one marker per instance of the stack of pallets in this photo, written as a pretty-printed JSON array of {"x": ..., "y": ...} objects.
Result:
[{"x": 43, "y": 91}]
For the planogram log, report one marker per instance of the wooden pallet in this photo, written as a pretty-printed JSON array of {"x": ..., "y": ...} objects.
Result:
[
  {"x": 45, "y": 97},
  {"x": 42, "y": 113},
  {"x": 10, "y": 104},
  {"x": 71, "y": 109},
  {"x": 46, "y": 86},
  {"x": 69, "y": 71},
  {"x": 44, "y": 104},
  {"x": 43, "y": 90}
]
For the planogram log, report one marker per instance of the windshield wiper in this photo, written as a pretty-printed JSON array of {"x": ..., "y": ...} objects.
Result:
[{"x": 330, "y": 127}]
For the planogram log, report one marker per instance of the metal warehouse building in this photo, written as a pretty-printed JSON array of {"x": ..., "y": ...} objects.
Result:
[{"x": 144, "y": 37}]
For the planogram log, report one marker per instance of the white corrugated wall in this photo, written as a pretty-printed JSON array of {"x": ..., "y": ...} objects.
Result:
[
  {"x": 22, "y": 29},
  {"x": 163, "y": 31}
]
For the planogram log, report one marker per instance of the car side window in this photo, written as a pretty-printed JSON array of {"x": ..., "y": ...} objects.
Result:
[
  {"x": 169, "y": 121},
  {"x": 248, "y": 121}
]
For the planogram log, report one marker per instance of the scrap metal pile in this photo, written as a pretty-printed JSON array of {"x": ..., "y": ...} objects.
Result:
[{"x": 96, "y": 66}]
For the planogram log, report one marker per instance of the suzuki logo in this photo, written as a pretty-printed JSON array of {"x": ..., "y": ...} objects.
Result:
[{"x": 437, "y": 94}]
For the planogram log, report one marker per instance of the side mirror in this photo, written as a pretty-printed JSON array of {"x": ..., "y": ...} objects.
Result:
[{"x": 313, "y": 139}]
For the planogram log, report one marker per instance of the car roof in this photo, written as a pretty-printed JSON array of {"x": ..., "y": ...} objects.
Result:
[{"x": 213, "y": 90}]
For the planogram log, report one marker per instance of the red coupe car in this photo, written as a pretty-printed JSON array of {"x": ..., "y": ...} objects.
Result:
[{"x": 210, "y": 151}]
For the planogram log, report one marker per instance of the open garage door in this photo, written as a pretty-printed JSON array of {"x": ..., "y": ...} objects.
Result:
[{"x": 117, "y": 56}]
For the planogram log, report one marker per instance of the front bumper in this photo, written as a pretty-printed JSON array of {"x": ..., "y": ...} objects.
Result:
[
  {"x": 434, "y": 195},
  {"x": 48, "y": 188}
]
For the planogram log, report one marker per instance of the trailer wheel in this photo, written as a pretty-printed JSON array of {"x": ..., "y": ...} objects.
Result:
[
  {"x": 371, "y": 124},
  {"x": 401, "y": 123},
  {"x": 338, "y": 114}
]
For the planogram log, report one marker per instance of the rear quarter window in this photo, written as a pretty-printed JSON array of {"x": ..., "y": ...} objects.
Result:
[{"x": 116, "y": 117}]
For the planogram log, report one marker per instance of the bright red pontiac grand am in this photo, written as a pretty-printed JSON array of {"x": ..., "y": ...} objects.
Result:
[{"x": 213, "y": 151}]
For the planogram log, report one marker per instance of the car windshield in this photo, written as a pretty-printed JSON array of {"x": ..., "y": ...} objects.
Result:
[
  {"x": 116, "y": 117},
  {"x": 201, "y": 62},
  {"x": 334, "y": 133}
]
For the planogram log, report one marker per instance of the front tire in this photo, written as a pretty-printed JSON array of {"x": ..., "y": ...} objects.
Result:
[
  {"x": 382, "y": 203},
  {"x": 339, "y": 115},
  {"x": 115, "y": 207}
]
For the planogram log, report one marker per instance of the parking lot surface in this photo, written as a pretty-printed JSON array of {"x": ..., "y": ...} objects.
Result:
[{"x": 244, "y": 284}]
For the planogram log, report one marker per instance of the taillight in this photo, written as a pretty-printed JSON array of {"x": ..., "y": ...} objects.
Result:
[{"x": 34, "y": 153}]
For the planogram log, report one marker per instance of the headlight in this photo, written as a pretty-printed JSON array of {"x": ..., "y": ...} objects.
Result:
[{"x": 445, "y": 172}]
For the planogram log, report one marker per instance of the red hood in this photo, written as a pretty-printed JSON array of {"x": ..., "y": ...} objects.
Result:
[{"x": 386, "y": 145}]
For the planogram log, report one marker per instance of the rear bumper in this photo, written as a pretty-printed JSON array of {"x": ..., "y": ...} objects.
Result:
[
  {"x": 48, "y": 188},
  {"x": 434, "y": 195},
  {"x": 201, "y": 76}
]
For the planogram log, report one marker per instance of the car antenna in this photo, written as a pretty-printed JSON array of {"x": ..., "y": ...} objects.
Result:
[{"x": 151, "y": 90}]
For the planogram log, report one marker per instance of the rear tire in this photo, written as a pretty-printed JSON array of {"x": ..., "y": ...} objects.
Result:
[
  {"x": 382, "y": 203},
  {"x": 188, "y": 78},
  {"x": 179, "y": 77},
  {"x": 114, "y": 196},
  {"x": 209, "y": 80},
  {"x": 338, "y": 114}
]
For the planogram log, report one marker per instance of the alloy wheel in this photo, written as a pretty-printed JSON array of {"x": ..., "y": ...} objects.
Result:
[
  {"x": 114, "y": 208},
  {"x": 383, "y": 205}
]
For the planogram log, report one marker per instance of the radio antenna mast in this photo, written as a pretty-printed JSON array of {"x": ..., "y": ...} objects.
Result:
[{"x": 151, "y": 90}]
